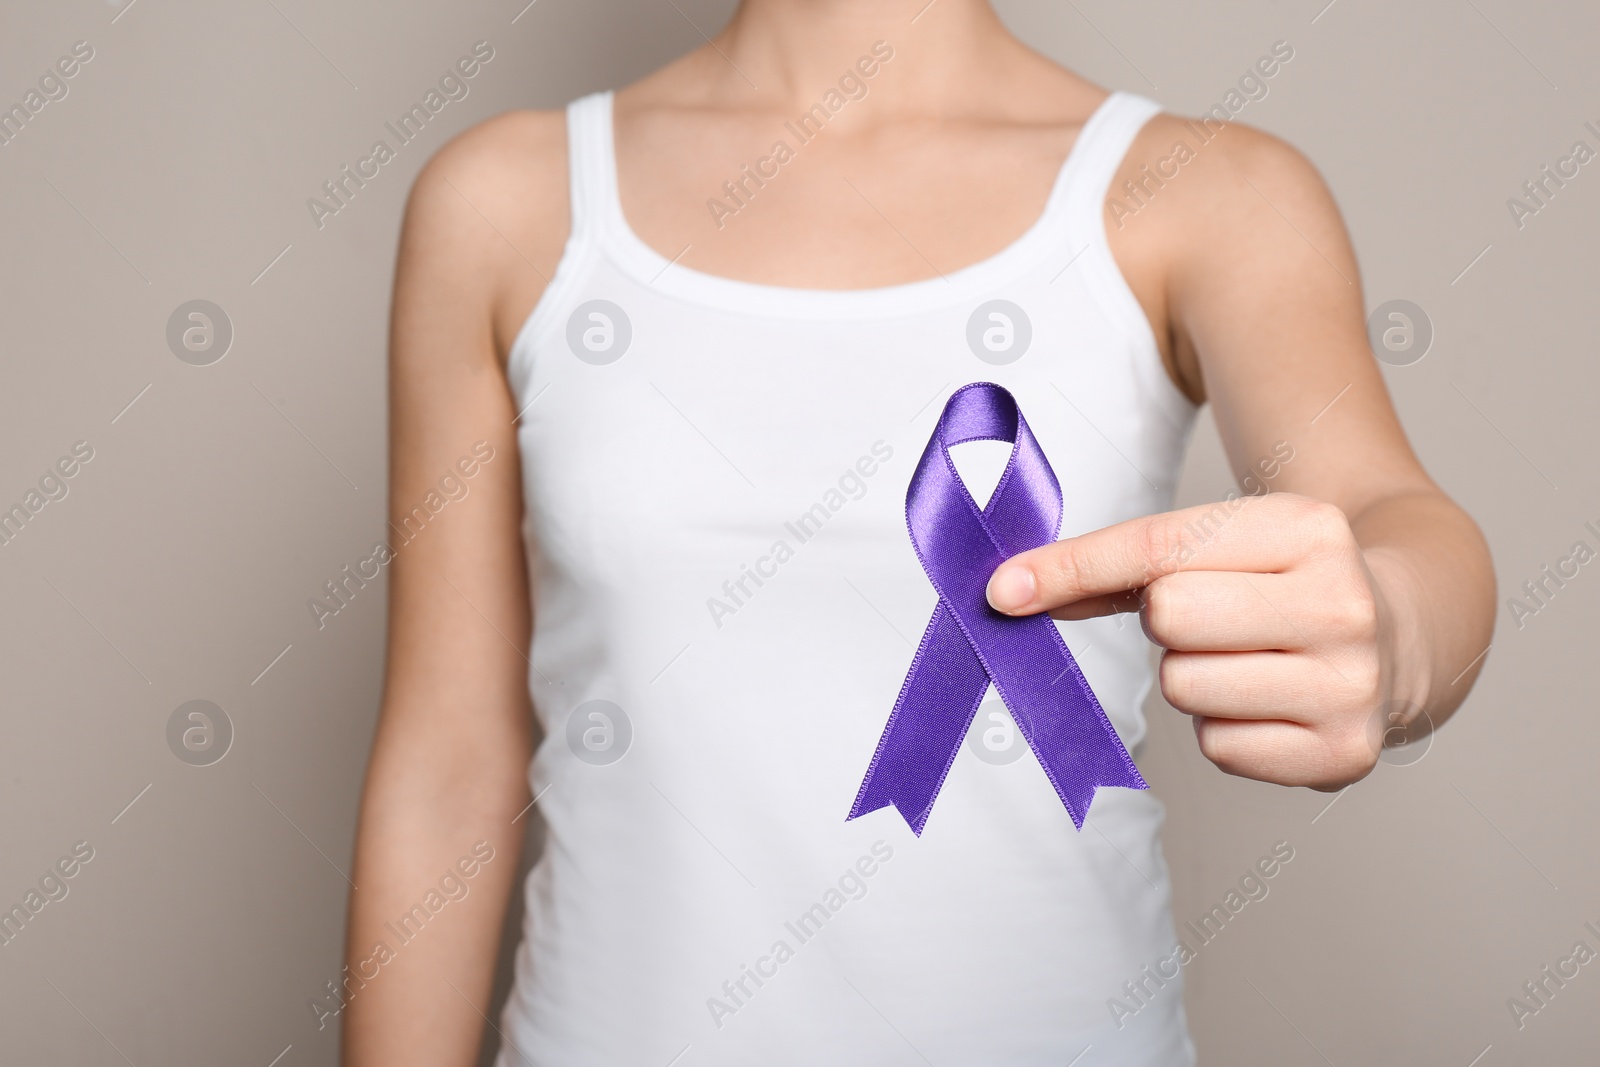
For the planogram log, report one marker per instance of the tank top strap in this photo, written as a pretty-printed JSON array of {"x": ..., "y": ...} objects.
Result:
[
  {"x": 590, "y": 168},
  {"x": 1102, "y": 145}
]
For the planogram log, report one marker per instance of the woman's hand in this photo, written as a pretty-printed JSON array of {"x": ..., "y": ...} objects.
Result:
[{"x": 1280, "y": 639}]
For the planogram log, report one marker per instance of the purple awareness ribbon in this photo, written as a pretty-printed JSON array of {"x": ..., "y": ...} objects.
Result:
[{"x": 968, "y": 644}]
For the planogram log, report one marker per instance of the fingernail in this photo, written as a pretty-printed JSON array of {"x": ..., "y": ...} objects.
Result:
[{"x": 1011, "y": 588}]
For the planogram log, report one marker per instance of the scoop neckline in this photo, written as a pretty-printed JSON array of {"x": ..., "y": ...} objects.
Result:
[{"x": 667, "y": 276}]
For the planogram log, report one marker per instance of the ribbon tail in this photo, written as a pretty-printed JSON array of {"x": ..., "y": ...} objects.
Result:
[
  {"x": 1076, "y": 744},
  {"x": 1077, "y": 774},
  {"x": 937, "y": 702}
]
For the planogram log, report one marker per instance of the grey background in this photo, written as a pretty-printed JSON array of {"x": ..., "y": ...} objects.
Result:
[{"x": 178, "y": 566}]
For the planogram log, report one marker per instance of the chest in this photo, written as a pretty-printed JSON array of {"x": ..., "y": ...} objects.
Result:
[{"x": 779, "y": 201}]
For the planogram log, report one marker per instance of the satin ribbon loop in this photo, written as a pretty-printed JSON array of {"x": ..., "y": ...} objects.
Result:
[{"x": 968, "y": 644}]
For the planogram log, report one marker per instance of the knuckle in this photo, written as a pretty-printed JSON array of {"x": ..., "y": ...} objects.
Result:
[
  {"x": 1302, "y": 504},
  {"x": 1177, "y": 679},
  {"x": 1349, "y": 759},
  {"x": 1368, "y": 685},
  {"x": 1325, "y": 524},
  {"x": 1346, "y": 755},
  {"x": 1221, "y": 747},
  {"x": 1352, "y": 614},
  {"x": 1061, "y": 570},
  {"x": 1209, "y": 740},
  {"x": 1158, "y": 541},
  {"x": 1286, "y": 505},
  {"x": 1160, "y": 612},
  {"x": 1309, "y": 516},
  {"x": 1367, "y": 680}
]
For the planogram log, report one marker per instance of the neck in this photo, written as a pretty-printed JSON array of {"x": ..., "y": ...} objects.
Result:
[{"x": 782, "y": 53}]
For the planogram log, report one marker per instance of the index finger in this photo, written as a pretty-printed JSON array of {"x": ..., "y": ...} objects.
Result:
[{"x": 1254, "y": 534}]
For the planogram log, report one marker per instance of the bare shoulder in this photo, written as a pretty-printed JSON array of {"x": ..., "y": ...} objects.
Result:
[
  {"x": 1197, "y": 189},
  {"x": 1198, "y": 203},
  {"x": 490, "y": 210},
  {"x": 1221, "y": 160}
]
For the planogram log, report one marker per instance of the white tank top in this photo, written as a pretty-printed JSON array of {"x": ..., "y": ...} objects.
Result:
[{"x": 726, "y": 602}]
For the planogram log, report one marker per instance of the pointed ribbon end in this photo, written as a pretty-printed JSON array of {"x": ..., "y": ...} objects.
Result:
[{"x": 916, "y": 821}]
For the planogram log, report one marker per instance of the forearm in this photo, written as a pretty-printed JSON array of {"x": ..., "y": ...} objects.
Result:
[
  {"x": 1433, "y": 576},
  {"x": 423, "y": 931}
]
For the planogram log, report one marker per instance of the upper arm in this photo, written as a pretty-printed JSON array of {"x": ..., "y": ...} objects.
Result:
[
  {"x": 1259, "y": 286},
  {"x": 482, "y": 228}
]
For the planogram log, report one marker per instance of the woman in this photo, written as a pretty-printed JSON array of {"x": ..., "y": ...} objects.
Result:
[{"x": 705, "y": 328}]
